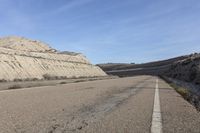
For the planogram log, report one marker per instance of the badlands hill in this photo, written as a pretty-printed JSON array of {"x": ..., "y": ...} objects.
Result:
[
  {"x": 23, "y": 44},
  {"x": 21, "y": 59}
]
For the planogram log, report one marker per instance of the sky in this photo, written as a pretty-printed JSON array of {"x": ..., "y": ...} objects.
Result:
[{"x": 120, "y": 31}]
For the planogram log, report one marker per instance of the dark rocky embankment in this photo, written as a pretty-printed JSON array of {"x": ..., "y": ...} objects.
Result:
[{"x": 186, "y": 68}]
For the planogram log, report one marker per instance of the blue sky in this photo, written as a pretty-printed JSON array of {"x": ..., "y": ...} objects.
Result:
[{"x": 107, "y": 30}]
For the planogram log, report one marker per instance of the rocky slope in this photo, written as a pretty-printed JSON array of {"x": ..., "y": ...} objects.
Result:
[
  {"x": 187, "y": 69},
  {"x": 21, "y": 58}
]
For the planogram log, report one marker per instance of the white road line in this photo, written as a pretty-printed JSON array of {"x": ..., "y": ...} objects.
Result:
[{"x": 156, "y": 125}]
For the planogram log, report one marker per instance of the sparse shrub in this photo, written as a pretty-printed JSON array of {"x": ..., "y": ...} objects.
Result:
[
  {"x": 31, "y": 79},
  {"x": 63, "y": 82},
  {"x": 63, "y": 77},
  {"x": 27, "y": 79},
  {"x": 35, "y": 79},
  {"x": 184, "y": 92},
  {"x": 81, "y": 77},
  {"x": 55, "y": 77},
  {"x": 3, "y": 80},
  {"x": 47, "y": 76},
  {"x": 78, "y": 81},
  {"x": 52, "y": 77},
  {"x": 17, "y": 80},
  {"x": 73, "y": 77},
  {"x": 15, "y": 87}
]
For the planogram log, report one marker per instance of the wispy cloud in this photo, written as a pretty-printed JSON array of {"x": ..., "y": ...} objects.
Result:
[
  {"x": 65, "y": 8},
  {"x": 108, "y": 30}
]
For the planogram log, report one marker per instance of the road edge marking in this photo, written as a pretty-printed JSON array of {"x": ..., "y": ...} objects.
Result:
[{"x": 156, "y": 124}]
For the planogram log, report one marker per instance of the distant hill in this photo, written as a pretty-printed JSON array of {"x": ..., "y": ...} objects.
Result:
[
  {"x": 123, "y": 66},
  {"x": 185, "y": 68}
]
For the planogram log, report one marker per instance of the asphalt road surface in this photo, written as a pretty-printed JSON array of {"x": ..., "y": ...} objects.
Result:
[{"x": 141, "y": 104}]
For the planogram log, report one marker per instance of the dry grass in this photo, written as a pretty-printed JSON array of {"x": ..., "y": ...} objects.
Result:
[
  {"x": 185, "y": 93},
  {"x": 182, "y": 91}
]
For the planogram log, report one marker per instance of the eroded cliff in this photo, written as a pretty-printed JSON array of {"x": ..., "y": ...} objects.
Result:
[{"x": 21, "y": 58}]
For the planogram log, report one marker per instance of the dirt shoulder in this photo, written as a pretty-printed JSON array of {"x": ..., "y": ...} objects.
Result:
[
  {"x": 178, "y": 116},
  {"x": 38, "y": 83},
  {"x": 189, "y": 91}
]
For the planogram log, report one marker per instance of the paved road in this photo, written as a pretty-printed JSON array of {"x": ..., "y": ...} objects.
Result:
[{"x": 123, "y": 105}]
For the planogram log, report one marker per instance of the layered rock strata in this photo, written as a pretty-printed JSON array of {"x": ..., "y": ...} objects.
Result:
[{"x": 21, "y": 58}]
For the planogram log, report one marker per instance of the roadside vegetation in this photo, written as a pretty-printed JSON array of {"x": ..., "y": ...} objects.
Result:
[
  {"x": 3, "y": 80},
  {"x": 15, "y": 87},
  {"x": 185, "y": 93},
  {"x": 28, "y": 83},
  {"x": 63, "y": 82}
]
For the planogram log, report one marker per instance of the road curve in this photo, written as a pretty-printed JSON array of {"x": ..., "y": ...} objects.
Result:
[{"x": 122, "y": 105}]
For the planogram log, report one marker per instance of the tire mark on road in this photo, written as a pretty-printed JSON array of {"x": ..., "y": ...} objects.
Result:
[{"x": 92, "y": 113}]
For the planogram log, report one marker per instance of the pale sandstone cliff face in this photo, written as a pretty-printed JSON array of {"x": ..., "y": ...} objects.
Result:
[
  {"x": 23, "y": 44},
  {"x": 21, "y": 58}
]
